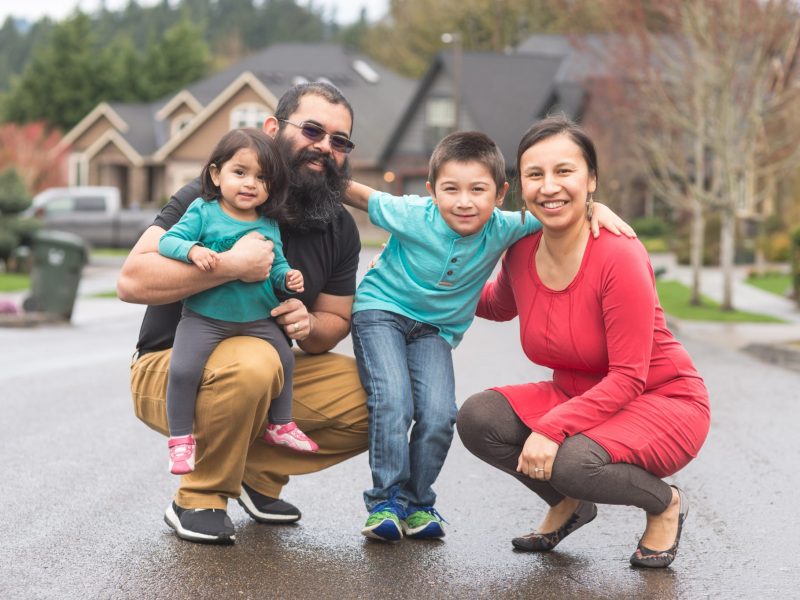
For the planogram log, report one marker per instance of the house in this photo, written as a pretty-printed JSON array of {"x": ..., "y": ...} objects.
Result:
[
  {"x": 499, "y": 94},
  {"x": 502, "y": 94},
  {"x": 150, "y": 150}
]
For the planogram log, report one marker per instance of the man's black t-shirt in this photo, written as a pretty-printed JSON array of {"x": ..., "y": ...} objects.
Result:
[{"x": 327, "y": 257}]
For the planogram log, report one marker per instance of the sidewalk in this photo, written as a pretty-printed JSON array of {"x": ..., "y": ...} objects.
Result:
[{"x": 777, "y": 343}]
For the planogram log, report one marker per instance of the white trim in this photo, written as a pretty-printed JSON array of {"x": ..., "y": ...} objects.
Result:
[
  {"x": 182, "y": 97},
  {"x": 102, "y": 109},
  {"x": 246, "y": 78},
  {"x": 179, "y": 123},
  {"x": 77, "y": 164},
  {"x": 115, "y": 138}
]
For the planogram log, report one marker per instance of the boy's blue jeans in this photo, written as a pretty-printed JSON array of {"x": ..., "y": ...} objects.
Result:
[{"x": 406, "y": 368}]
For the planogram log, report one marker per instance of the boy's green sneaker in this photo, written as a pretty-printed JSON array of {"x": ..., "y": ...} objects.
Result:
[
  {"x": 424, "y": 523},
  {"x": 384, "y": 523}
]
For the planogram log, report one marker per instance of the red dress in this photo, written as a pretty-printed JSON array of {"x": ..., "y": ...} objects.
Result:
[{"x": 619, "y": 377}]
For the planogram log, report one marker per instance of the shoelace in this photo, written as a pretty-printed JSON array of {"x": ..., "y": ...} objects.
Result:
[
  {"x": 434, "y": 512},
  {"x": 179, "y": 452}
]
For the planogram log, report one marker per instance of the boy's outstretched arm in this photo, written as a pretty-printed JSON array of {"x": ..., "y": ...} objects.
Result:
[{"x": 357, "y": 195}]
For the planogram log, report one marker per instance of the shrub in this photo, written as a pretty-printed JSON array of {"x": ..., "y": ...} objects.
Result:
[
  {"x": 777, "y": 247},
  {"x": 650, "y": 227}
]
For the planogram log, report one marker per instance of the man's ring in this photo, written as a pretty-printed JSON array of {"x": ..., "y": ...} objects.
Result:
[{"x": 296, "y": 327}]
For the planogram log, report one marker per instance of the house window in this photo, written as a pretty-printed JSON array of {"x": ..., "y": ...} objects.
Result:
[
  {"x": 249, "y": 115},
  {"x": 440, "y": 119}
]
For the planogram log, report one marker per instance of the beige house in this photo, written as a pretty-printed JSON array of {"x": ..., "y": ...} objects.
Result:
[{"x": 150, "y": 150}]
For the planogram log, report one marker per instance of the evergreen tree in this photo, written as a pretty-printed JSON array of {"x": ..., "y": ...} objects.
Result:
[
  {"x": 62, "y": 82},
  {"x": 180, "y": 58}
]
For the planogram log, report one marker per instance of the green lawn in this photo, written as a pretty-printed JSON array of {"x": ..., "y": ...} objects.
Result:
[
  {"x": 655, "y": 245},
  {"x": 674, "y": 297},
  {"x": 776, "y": 283},
  {"x": 111, "y": 251},
  {"x": 14, "y": 282}
]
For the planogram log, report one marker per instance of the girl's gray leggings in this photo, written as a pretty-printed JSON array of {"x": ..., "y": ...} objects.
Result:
[{"x": 195, "y": 340}]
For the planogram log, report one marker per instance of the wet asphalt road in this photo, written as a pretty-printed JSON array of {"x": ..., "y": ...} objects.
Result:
[{"x": 85, "y": 486}]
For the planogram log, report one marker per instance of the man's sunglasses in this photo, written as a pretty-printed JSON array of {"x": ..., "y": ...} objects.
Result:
[{"x": 315, "y": 133}]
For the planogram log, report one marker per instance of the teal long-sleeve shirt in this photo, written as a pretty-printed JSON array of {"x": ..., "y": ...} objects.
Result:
[
  {"x": 206, "y": 224},
  {"x": 428, "y": 272}
]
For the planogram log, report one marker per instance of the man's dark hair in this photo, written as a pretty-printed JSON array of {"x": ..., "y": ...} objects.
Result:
[
  {"x": 290, "y": 100},
  {"x": 557, "y": 125},
  {"x": 270, "y": 160},
  {"x": 468, "y": 146}
]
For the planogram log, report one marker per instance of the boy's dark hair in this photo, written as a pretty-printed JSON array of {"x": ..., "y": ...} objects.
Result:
[
  {"x": 273, "y": 168},
  {"x": 557, "y": 125},
  {"x": 468, "y": 146},
  {"x": 290, "y": 100}
]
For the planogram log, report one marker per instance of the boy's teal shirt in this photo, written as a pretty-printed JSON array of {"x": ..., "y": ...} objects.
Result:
[
  {"x": 206, "y": 224},
  {"x": 428, "y": 272}
]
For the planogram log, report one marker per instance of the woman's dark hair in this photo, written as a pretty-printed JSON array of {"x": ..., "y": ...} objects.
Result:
[
  {"x": 273, "y": 168},
  {"x": 558, "y": 125}
]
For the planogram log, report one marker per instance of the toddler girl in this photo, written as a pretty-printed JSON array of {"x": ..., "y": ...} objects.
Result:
[{"x": 244, "y": 171}]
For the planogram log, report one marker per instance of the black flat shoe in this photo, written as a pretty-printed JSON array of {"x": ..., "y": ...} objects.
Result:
[
  {"x": 543, "y": 542},
  {"x": 658, "y": 559}
]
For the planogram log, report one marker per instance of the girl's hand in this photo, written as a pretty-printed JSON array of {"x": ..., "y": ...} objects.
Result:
[
  {"x": 204, "y": 258},
  {"x": 294, "y": 280},
  {"x": 536, "y": 459},
  {"x": 602, "y": 216}
]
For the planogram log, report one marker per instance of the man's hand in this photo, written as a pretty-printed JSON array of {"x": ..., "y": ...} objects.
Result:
[
  {"x": 203, "y": 258},
  {"x": 536, "y": 459},
  {"x": 602, "y": 216},
  {"x": 294, "y": 317},
  {"x": 251, "y": 257}
]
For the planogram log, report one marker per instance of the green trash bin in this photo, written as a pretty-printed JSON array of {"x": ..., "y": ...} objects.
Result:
[{"x": 58, "y": 260}]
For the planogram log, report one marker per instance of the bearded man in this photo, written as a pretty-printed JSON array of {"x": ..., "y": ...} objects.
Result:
[{"x": 312, "y": 124}]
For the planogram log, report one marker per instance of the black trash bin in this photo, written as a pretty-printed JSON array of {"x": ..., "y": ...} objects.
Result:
[{"x": 58, "y": 260}]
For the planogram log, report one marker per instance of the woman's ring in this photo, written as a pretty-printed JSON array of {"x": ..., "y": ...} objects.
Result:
[
  {"x": 296, "y": 327},
  {"x": 538, "y": 469}
]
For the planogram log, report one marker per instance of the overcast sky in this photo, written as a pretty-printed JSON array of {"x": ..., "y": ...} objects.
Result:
[{"x": 347, "y": 11}]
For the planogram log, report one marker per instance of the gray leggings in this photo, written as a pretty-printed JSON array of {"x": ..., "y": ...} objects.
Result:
[
  {"x": 492, "y": 431},
  {"x": 195, "y": 340}
]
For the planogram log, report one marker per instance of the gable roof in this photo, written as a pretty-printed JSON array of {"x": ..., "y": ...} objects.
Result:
[
  {"x": 502, "y": 94},
  {"x": 377, "y": 101},
  {"x": 377, "y": 105},
  {"x": 244, "y": 79}
]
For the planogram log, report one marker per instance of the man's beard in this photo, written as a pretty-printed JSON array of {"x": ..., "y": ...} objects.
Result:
[{"x": 314, "y": 198}]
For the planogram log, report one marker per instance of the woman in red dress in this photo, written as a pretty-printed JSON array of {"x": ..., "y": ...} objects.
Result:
[{"x": 626, "y": 406}]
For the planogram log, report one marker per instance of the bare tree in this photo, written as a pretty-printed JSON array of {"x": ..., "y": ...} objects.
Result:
[{"x": 713, "y": 102}]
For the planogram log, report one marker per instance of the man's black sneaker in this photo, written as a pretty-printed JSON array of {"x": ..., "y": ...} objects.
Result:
[
  {"x": 204, "y": 525},
  {"x": 265, "y": 509}
]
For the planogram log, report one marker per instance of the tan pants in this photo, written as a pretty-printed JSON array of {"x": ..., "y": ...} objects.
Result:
[{"x": 240, "y": 378}]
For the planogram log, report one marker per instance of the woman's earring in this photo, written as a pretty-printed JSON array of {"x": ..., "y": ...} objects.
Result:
[
  {"x": 590, "y": 206},
  {"x": 522, "y": 213}
]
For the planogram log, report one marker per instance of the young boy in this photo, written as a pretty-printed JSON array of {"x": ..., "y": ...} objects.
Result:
[{"x": 413, "y": 308}]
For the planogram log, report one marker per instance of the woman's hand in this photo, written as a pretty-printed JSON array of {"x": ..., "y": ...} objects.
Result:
[{"x": 536, "y": 459}]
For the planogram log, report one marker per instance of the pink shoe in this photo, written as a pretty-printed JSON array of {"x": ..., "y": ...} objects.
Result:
[
  {"x": 290, "y": 436},
  {"x": 181, "y": 454}
]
